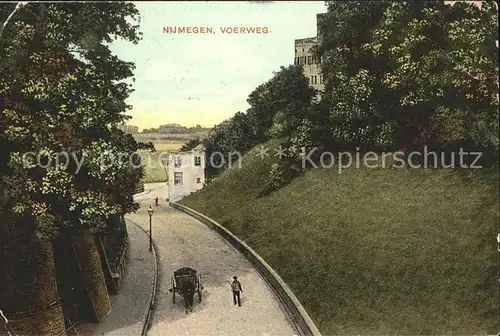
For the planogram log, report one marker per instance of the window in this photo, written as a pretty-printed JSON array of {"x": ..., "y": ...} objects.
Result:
[
  {"x": 198, "y": 180},
  {"x": 309, "y": 59},
  {"x": 321, "y": 79},
  {"x": 177, "y": 178},
  {"x": 295, "y": 50},
  {"x": 304, "y": 60},
  {"x": 315, "y": 81},
  {"x": 177, "y": 162},
  {"x": 197, "y": 160}
]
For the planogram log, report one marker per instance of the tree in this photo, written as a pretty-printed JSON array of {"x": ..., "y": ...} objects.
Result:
[
  {"x": 281, "y": 101},
  {"x": 226, "y": 140},
  {"x": 407, "y": 75},
  {"x": 146, "y": 146},
  {"x": 350, "y": 72},
  {"x": 62, "y": 91},
  {"x": 283, "y": 108},
  {"x": 190, "y": 145}
]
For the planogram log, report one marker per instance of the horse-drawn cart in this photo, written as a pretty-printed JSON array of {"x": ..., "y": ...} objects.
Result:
[{"x": 186, "y": 282}]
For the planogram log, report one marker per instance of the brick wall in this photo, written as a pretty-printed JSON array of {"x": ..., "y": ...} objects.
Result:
[
  {"x": 47, "y": 321},
  {"x": 28, "y": 297}
]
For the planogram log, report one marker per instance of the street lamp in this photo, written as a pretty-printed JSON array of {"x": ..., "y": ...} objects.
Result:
[{"x": 150, "y": 212}]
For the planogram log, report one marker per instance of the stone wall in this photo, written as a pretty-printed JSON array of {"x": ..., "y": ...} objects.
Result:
[
  {"x": 46, "y": 320},
  {"x": 29, "y": 298}
]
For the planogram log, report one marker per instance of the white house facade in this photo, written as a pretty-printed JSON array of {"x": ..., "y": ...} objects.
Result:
[{"x": 186, "y": 174}]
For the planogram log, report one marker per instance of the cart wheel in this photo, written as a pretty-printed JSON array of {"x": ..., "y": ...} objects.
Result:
[
  {"x": 200, "y": 287},
  {"x": 173, "y": 291}
]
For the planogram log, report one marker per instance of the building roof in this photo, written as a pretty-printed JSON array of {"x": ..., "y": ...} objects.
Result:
[
  {"x": 306, "y": 40},
  {"x": 199, "y": 148}
]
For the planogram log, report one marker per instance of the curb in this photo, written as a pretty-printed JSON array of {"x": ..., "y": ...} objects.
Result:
[
  {"x": 145, "y": 192},
  {"x": 302, "y": 321},
  {"x": 154, "y": 287}
]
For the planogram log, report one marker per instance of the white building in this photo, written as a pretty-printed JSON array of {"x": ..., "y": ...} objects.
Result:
[{"x": 186, "y": 173}]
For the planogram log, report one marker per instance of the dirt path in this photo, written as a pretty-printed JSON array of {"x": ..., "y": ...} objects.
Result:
[{"x": 183, "y": 241}]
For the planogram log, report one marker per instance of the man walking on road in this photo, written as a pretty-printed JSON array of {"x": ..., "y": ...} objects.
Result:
[{"x": 236, "y": 287}]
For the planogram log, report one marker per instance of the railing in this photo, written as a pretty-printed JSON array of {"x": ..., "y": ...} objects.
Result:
[
  {"x": 301, "y": 319},
  {"x": 71, "y": 329},
  {"x": 6, "y": 324},
  {"x": 116, "y": 246},
  {"x": 139, "y": 188}
]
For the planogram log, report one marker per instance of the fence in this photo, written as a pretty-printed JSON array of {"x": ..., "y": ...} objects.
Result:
[
  {"x": 139, "y": 188},
  {"x": 116, "y": 245}
]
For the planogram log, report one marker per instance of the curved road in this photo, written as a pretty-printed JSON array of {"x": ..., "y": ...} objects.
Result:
[{"x": 183, "y": 241}]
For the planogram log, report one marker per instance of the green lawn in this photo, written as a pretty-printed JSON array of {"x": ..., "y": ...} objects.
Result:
[
  {"x": 154, "y": 170},
  {"x": 372, "y": 251}
]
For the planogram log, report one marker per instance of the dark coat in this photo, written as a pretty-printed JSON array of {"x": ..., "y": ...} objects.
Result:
[{"x": 188, "y": 289}]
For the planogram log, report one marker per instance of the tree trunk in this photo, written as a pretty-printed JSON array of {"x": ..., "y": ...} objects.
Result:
[
  {"x": 89, "y": 261},
  {"x": 28, "y": 287}
]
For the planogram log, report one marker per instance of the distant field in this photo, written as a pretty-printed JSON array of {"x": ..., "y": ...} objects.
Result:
[
  {"x": 168, "y": 137},
  {"x": 167, "y": 146}
]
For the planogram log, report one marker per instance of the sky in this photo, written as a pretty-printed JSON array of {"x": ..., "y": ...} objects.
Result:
[{"x": 204, "y": 79}]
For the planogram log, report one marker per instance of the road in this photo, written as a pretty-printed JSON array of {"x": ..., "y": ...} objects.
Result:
[{"x": 184, "y": 241}]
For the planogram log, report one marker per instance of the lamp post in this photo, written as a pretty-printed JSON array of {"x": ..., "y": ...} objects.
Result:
[{"x": 150, "y": 212}]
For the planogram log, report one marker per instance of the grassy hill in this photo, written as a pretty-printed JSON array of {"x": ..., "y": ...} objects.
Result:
[{"x": 372, "y": 251}]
